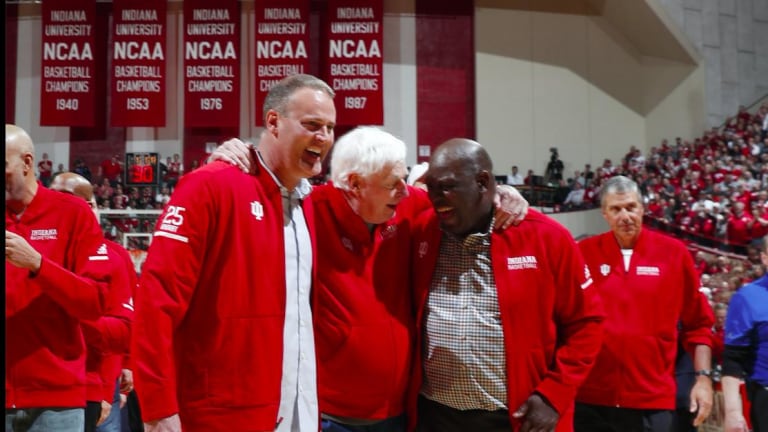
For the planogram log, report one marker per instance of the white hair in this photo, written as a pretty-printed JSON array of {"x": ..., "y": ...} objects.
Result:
[{"x": 364, "y": 150}]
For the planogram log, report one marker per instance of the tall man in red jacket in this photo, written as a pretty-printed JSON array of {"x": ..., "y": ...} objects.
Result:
[
  {"x": 107, "y": 339},
  {"x": 56, "y": 266},
  {"x": 649, "y": 287},
  {"x": 223, "y": 337},
  {"x": 508, "y": 323}
]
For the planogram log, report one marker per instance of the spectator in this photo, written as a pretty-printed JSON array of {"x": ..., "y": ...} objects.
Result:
[
  {"x": 530, "y": 179},
  {"x": 739, "y": 223},
  {"x": 47, "y": 294},
  {"x": 247, "y": 330},
  {"x": 82, "y": 169},
  {"x": 641, "y": 274},
  {"x": 588, "y": 173},
  {"x": 746, "y": 353},
  {"x": 59, "y": 170},
  {"x": 45, "y": 170},
  {"x": 575, "y": 198},
  {"x": 112, "y": 170},
  {"x": 163, "y": 196},
  {"x": 507, "y": 322},
  {"x": 718, "y": 338},
  {"x": 104, "y": 190},
  {"x": 554, "y": 171},
  {"x": 175, "y": 170},
  {"x": 515, "y": 179}
]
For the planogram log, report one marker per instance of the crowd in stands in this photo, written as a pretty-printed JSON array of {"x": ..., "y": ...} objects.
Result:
[
  {"x": 111, "y": 193},
  {"x": 712, "y": 190}
]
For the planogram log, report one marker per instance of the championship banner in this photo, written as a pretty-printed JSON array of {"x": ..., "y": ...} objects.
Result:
[
  {"x": 138, "y": 63},
  {"x": 211, "y": 63},
  {"x": 355, "y": 60},
  {"x": 282, "y": 40},
  {"x": 67, "y": 87}
]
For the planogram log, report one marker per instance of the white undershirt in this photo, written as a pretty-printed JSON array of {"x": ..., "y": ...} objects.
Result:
[
  {"x": 627, "y": 254},
  {"x": 298, "y": 389}
]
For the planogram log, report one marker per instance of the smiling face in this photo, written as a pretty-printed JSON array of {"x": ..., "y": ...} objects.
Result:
[
  {"x": 459, "y": 189},
  {"x": 375, "y": 197},
  {"x": 305, "y": 135},
  {"x": 624, "y": 213}
]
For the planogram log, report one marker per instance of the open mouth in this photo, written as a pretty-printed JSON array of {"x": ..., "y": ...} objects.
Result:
[
  {"x": 444, "y": 212},
  {"x": 312, "y": 155}
]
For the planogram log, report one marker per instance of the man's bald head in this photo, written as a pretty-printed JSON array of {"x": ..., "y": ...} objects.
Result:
[
  {"x": 20, "y": 181},
  {"x": 18, "y": 140},
  {"x": 73, "y": 183},
  {"x": 468, "y": 151}
]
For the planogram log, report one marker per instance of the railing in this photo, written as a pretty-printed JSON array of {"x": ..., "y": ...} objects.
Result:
[{"x": 709, "y": 243}]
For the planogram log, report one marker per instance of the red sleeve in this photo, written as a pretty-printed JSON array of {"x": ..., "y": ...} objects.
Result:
[
  {"x": 110, "y": 334},
  {"x": 83, "y": 291},
  {"x": 110, "y": 372},
  {"x": 166, "y": 286},
  {"x": 579, "y": 315}
]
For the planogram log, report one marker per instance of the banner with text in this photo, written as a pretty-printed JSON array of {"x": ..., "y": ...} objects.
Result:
[
  {"x": 282, "y": 40},
  {"x": 355, "y": 60},
  {"x": 211, "y": 63},
  {"x": 67, "y": 87},
  {"x": 138, "y": 63}
]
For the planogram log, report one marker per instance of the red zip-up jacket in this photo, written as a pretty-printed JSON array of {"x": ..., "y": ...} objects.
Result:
[
  {"x": 210, "y": 308},
  {"x": 362, "y": 307},
  {"x": 550, "y": 313},
  {"x": 45, "y": 351},
  {"x": 108, "y": 338},
  {"x": 635, "y": 367}
]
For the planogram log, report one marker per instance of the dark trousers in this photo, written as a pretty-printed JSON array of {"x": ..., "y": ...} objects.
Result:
[
  {"x": 758, "y": 411},
  {"x": 130, "y": 415},
  {"x": 392, "y": 424},
  {"x": 436, "y": 417},
  {"x": 92, "y": 414},
  {"x": 597, "y": 418}
]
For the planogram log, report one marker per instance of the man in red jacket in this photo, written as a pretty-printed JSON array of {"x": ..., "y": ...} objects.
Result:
[
  {"x": 649, "y": 287},
  {"x": 508, "y": 323},
  {"x": 56, "y": 266},
  {"x": 107, "y": 339},
  {"x": 223, "y": 337}
]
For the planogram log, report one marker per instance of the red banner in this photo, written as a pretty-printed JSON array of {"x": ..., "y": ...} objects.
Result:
[
  {"x": 355, "y": 60},
  {"x": 138, "y": 63},
  {"x": 67, "y": 87},
  {"x": 282, "y": 40},
  {"x": 211, "y": 63}
]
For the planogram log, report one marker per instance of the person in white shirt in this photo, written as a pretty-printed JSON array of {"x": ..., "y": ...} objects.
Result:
[{"x": 514, "y": 179}]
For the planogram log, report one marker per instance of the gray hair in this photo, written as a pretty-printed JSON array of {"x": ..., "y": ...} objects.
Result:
[
  {"x": 619, "y": 184},
  {"x": 278, "y": 95},
  {"x": 365, "y": 150}
]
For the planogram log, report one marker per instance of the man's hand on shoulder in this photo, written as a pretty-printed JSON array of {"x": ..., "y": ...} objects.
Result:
[
  {"x": 511, "y": 207},
  {"x": 234, "y": 152}
]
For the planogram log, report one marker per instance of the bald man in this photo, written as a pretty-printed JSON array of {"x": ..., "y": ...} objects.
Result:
[
  {"x": 107, "y": 338},
  {"x": 508, "y": 324},
  {"x": 56, "y": 268}
]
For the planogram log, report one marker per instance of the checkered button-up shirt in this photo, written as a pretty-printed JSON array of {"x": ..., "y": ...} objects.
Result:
[{"x": 464, "y": 361}]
